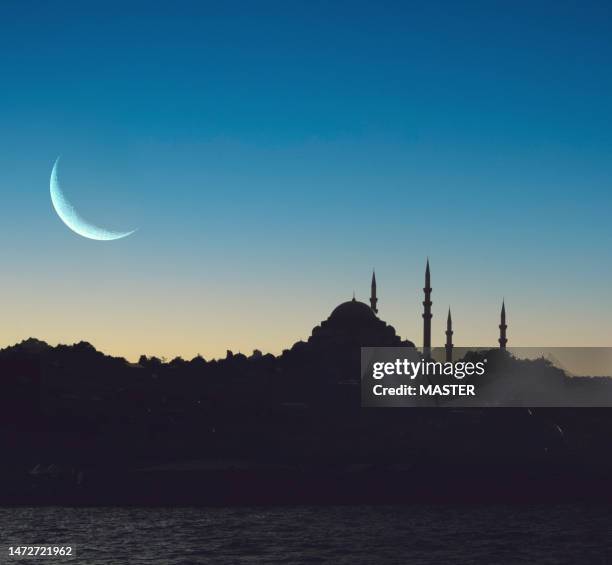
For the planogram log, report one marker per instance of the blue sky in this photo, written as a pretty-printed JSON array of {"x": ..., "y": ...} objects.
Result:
[{"x": 272, "y": 153}]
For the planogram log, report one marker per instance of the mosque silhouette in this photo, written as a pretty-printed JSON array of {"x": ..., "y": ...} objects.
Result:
[{"x": 355, "y": 323}]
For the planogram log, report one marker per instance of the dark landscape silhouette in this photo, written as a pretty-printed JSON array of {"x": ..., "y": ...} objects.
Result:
[{"x": 80, "y": 426}]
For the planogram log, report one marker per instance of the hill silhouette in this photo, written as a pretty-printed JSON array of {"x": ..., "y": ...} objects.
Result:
[{"x": 71, "y": 405}]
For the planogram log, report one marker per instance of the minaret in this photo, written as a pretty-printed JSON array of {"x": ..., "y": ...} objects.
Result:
[
  {"x": 373, "y": 299},
  {"x": 449, "y": 338},
  {"x": 427, "y": 314},
  {"x": 502, "y": 327}
]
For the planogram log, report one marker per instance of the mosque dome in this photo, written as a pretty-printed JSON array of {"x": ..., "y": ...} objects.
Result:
[
  {"x": 352, "y": 312},
  {"x": 354, "y": 323}
]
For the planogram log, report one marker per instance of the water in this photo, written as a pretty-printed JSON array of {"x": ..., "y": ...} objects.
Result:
[{"x": 340, "y": 535}]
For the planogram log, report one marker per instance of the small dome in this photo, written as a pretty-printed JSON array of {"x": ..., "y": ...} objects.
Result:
[{"x": 352, "y": 312}]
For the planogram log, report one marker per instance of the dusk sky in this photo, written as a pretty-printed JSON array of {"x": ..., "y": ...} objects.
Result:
[{"x": 272, "y": 153}]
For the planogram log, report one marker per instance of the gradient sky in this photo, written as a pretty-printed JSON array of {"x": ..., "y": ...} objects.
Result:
[{"x": 272, "y": 153}]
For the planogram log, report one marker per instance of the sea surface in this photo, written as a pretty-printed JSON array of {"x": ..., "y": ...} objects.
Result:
[{"x": 436, "y": 535}]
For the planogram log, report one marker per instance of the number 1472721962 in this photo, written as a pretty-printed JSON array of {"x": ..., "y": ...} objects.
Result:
[{"x": 53, "y": 551}]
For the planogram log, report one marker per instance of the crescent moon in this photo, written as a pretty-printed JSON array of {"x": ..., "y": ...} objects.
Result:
[{"x": 69, "y": 215}]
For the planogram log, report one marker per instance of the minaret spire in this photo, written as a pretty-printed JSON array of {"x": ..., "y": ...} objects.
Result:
[
  {"x": 427, "y": 313},
  {"x": 503, "y": 340},
  {"x": 373, "y": 299},
  {"x": 449, "y": 338}
]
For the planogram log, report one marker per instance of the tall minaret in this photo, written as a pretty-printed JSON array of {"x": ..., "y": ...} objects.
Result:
[
  {"x": 373, "y": 299},
  {"x": 449, "y": 338},
  {"x": 427, "y": 314},
  {"x": 502, "y": 327}
]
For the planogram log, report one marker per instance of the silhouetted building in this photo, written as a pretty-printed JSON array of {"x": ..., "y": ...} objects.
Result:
[
  {"x": 449, "y": 338},
  {"x": 427, "y": 313},
  {"x": 373, "y": 299},
  {"x": 502, "y": 327},
  {"x": 354, "y": 322},
  {"x": 357, "y": 324}
]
